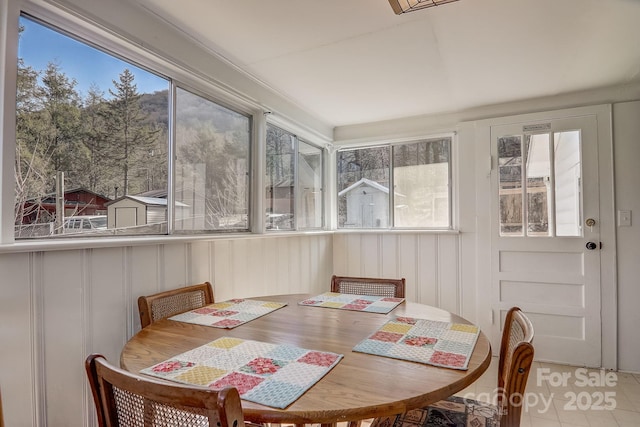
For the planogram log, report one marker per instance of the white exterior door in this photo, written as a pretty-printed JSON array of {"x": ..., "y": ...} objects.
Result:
[{"x": 545, "y": 234}]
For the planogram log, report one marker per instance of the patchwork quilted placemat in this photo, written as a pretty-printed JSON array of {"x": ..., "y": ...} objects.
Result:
[
  {"x": 426, "y": 341},
  {"x": 228, "y": 314},
  {"x": 269, "y": 374},
  {"x": 372, "y": 304}
]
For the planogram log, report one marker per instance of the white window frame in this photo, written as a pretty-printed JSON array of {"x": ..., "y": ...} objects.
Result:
[
  {"x": 453, "y": 190},
  {"x": 296, "y": 190},
  {"x": 118, "y": 47}
]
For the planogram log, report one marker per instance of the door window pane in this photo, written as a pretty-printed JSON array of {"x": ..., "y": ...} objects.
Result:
[
  {"x": 212, "y": 161},
  {"x": 552, "y": 186},
  {"x": 363, "y": 188},
  {"x": 510, "y": 185},
  {"x": 538, "y": 170},
  {"x": 568, "y": 172},
  {"x": 421, "y": 184}
]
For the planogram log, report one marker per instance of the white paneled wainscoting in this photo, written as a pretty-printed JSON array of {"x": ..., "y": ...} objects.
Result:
[
  {"x": 58, "y": 306},
  {"x": 430, "y": 263}
]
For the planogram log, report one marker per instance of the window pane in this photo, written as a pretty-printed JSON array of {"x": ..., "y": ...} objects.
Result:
[
  {"x": 510, "y": 185},
  {"x": 98, "y": 123},
  {"x": 363, "y": 188},
  {"x": 568, "y": 171},
  {"x": 280, "y": 179},
  {"x": 538, "y": 184},
  {"x": 212, "y": 161},
  {"x": 421, "y": 184},
  {"x": 310, "y": 186}
]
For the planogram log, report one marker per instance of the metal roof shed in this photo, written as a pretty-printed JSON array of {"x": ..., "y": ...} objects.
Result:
[{"x": 131, "y": 211}]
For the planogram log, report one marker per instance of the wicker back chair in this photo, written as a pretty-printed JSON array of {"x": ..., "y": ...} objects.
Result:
[
  {"x": 168, "y": 303},
  {"x": 368, "y": 286},
  {"x": 129, "y": 400},
  {"x": 516, "y": 357}
]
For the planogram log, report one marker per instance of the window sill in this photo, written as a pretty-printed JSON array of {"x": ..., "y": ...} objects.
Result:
[
  {"x": 123, "y": 241},
  {"x": 393, "y": 231}
]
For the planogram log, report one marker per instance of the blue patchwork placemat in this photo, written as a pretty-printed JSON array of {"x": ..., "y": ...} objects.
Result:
[
  {"x": 269, "y": 374},
  {"x": 426, "y": 341},
  {"x": 228, "y": 314},
  {"x": 372, "y": 304}
]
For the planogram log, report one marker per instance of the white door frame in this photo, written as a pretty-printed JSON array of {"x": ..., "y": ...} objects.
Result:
[{"x": 607, "y": 219}]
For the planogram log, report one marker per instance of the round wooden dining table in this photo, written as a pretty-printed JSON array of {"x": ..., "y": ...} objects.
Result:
[{"x": 360, "y": 386}]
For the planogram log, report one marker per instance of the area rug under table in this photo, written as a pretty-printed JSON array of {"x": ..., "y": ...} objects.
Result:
[
  {"x": 426, "y": 341},
  {"x": 269, "y": 374},
  {"x": 453, "y": 412}
]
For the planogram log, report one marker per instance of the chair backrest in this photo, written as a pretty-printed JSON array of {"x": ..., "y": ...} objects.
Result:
[
  {"x": 368, "y": 286},
  {"x": 168, "y": 303},
  {"x": 126, "y": 399},
  {"x": 516, "y": 357}
]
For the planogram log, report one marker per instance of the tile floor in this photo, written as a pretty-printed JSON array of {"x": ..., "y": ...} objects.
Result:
[{"x": 566, "y": 396}]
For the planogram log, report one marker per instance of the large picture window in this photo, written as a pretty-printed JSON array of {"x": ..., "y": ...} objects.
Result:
[
  {"x": 419, "y": 174},
  {"x": 93, "y": 144}
]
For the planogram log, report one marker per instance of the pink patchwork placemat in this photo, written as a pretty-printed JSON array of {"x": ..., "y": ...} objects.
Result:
[
  {"x": 228, "y": 314},
  {"x": 371, "y": 304},
  {"x": 426, "y": 341},
  {"x": 269, "y": 374}
]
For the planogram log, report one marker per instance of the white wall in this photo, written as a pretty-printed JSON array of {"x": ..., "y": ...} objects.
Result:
[
  {"x": 626, "y": 150},
  {"x": 59, "y": 306},
  {"x": 429, "y": 262}
]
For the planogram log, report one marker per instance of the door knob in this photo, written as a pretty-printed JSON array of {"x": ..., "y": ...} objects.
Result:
[{"x": 591, "y": 246}]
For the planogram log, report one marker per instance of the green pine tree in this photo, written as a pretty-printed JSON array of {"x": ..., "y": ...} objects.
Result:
[{"x": 127, "y": 135}]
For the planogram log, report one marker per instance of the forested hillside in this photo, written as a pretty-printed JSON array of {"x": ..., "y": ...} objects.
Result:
[{"x": 110, "y": 143}]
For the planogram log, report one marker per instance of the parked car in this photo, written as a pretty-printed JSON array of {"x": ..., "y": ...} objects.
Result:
[{"x": 85, "y": 223}]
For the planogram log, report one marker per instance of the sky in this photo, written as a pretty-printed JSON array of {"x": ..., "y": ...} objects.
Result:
[{"x": 40, "y": 45}]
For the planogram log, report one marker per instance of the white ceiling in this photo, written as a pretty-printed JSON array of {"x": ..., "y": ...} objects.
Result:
[{"x": 355, "y": 61}]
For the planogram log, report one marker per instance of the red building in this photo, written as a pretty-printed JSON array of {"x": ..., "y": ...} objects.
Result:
[{"x": 78, "y": 201}]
